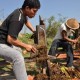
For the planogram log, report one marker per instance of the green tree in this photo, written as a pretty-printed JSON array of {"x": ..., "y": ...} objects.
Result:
[
  {"x": 53, "y": 25},
  {"x": 25, "y": 38}
]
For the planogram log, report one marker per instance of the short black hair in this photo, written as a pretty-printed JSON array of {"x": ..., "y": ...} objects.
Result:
[{"x": 31, "y": 4}]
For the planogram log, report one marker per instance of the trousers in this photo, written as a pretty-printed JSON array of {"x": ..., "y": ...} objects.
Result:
[
  {"x": 68, "y": 49},
  {"x": 17, "y": 60}
]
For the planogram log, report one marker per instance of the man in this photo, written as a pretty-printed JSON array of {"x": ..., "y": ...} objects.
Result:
[
  {"x": 9, "y": 31},
  {"x": 61, "y": 39}
]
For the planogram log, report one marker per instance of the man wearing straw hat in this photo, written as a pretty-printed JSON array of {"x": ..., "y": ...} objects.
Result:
[{"x": 61, "y": 39}]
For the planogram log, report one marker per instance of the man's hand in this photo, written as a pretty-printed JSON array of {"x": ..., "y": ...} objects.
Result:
[
  {"x": 78, "y": 37},
  {"x": 30, "y": 48},
  {"x": 75, "y": 41},
  {"x": 33, "y": 35}
]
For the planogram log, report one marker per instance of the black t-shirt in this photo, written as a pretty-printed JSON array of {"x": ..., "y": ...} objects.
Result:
[{"x": 12, "y": 25}]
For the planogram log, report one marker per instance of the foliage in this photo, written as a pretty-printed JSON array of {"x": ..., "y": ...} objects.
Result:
[
  {"x": 53, "y": 25},
  {"x": 25, "y": 37},
  {"x": 49, "y": 42}
]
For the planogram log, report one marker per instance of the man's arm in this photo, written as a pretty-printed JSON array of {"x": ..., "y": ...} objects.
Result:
[
  {"x": 64, "y": 35},
  {"x": 18, "y": 43},
  {"x": 29, "y": 25}
]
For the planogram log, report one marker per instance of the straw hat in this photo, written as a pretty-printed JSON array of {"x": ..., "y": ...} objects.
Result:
[{"x": 72, "y": 23}]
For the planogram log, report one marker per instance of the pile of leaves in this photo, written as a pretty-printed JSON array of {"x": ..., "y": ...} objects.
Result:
[
  {"x": 59, "y": 72},
  {"x": 56, "y": 71},
  {"x": 63, "y": 73}
]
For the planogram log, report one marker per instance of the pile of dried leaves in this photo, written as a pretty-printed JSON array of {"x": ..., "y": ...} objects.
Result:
[
  {"x": 59, "y": 72},
  {"x": 56, "y": 71}
]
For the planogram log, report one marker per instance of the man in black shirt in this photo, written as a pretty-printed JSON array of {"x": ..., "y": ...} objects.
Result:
[{"x": 9, "y": 31}]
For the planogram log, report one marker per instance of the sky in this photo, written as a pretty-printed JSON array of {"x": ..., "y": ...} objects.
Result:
[{"x": 67, "y": 8}]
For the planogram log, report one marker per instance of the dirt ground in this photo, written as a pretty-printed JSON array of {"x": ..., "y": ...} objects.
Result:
[{"x": 6, "y": 72}]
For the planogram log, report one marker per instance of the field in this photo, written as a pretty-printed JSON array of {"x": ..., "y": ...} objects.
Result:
[{"x": 57, "y": 69}]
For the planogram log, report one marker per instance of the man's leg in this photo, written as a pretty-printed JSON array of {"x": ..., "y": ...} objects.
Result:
[
  {"x": 53, "y": 48},
  {"x": 17, "y": 59},
  {"x": 69, "y": 51}
]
